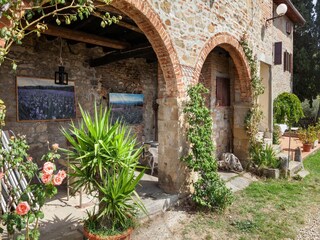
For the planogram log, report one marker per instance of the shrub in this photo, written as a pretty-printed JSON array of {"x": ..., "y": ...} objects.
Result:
[{"x": 265, "y": 156}]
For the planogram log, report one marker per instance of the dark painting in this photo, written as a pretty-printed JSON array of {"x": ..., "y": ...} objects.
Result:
[
  {"x": 127, "y": 106},
  {"x": 41, "y": 99}
]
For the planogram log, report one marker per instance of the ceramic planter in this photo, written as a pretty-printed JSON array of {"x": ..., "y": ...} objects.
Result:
[
  {"x": 307, "y": 147},
  {"x": 124, "y": 236}
]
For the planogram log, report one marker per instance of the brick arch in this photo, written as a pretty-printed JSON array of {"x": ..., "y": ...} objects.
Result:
[
  {"x": 150, "y": 23},
  {"x": 232, "y": 45}
]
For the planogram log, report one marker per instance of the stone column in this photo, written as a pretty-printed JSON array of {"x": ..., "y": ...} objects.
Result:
[
  {"x": 240, "y": 137},
  {"x": 172, "y": 172}
]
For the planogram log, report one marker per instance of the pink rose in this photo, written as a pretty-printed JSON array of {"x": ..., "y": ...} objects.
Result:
[
  {"x": 1, "y": 175},
  {"x": 48, "y": 168},
  {"x": 29, "y": 159},
  {"x": 55, "y": 146},
  {"x": 57, "y": 180},
  {"x": 23, "y": 208},
  {"x": 46, "y": 178},
  {"x": 62, "y": 174}
]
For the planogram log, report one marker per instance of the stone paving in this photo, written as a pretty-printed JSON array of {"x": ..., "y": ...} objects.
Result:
[
  {"x": 63, "y": 218},
  {"x": 237, "y": 181}
]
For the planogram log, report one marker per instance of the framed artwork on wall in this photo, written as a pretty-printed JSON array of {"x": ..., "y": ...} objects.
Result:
[
  {"x": 127, "y": 107},
  {"x": 40, "y": 99}
]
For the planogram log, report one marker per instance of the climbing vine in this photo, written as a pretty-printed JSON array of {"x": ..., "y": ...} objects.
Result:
[
  {"x": 255, "y": 113},
  {"x": 210, "y": 189}
]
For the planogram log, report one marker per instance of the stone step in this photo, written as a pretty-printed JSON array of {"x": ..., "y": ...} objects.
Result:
[
  {"x": 294, "y": 167},
  {"x": 302, "y": 174}
]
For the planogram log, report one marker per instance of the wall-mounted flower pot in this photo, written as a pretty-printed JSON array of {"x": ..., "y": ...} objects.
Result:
[{"x": 307, "y": 147}]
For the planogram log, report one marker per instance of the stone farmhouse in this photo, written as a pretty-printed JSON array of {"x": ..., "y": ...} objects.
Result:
[{"x": 159, "y": 49}]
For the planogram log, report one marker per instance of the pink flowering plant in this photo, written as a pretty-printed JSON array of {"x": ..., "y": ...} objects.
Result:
[{"x": 22, "y": 200}]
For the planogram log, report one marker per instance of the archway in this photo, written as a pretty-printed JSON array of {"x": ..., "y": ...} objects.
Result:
[
  {"x": 223, "y": 68},
  {"x": 170, "y": 88}
]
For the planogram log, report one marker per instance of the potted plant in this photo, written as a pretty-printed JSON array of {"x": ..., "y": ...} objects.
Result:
[
  {"x": 104, "y": 158},
  {"x": 307, "y": 136}
]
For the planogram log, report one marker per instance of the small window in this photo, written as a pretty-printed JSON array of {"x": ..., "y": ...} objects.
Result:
[
  {"x": 291, "y": 63},
  {"x": 288, "y": 62},
  {"x": 223, "y": 91},
  {"x": 288, "y": 28},
  {"x": 278, "y": 53}
]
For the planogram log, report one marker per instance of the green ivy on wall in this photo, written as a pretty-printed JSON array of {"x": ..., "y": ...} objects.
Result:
[
  {"x": 255, "y": 113},
  {"x": 210, "y": 189}
]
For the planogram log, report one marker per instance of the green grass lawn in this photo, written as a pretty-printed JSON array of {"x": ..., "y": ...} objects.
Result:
[{"x": 272, "y": 209}]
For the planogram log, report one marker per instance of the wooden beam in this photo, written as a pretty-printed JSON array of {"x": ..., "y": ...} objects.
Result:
[
  {"x": 85, "y": 37},
  {"x": 120, "y": 55},
  {"x": 121, "y": 23},
  {"x": 124, "y": 24}
]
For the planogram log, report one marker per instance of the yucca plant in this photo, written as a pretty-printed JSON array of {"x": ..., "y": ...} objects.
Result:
[{"x": 103, "y": 158}]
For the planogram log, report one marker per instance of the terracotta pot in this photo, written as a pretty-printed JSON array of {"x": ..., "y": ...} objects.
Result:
[
  {"x": 307, "y": 147},
  {"x": 123, "y": 236}
]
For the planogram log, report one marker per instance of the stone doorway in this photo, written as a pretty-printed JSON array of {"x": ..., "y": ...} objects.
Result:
[{"x": 224, "y": 70}]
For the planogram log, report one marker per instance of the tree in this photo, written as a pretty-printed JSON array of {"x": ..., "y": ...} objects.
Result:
[
  {"x": 24, "y": 17},
  {"x": 287, "y": 109},
  {"x": 305, "y": 82}
]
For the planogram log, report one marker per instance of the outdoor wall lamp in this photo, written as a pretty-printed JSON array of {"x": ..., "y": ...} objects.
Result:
[
  {"x": 281, "y": 11},
  {"x": 60, "y": 76}
]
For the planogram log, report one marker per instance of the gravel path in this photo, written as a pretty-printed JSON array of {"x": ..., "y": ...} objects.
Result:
[
  {"x": 312, "y": 230},
  {"x": 166, "y": 226}
]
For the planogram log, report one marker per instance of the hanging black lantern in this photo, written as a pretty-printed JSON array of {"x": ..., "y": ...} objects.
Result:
[{"x": 61, "y": 77}]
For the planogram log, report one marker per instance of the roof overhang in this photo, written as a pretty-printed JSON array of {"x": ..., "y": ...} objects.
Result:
[{"x": 293, "y": 14}]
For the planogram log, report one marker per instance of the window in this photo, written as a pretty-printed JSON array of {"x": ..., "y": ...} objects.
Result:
[
  {"x": 288, "y": 28},
  {"x": 288, "y": 62},
  {"x": 278, "y": 53},
  {"x": 223, "y": 91}
]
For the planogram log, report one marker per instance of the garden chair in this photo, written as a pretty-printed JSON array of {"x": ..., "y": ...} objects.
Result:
[{"x": 153, "y": 159}]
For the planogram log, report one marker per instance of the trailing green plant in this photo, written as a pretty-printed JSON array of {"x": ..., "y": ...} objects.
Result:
[
  {"x": 255, "y": 114},
  {"x": 25, "y": 17},
  {"x": 104, "y": 158},
  {"x": 210, "y": 189}
]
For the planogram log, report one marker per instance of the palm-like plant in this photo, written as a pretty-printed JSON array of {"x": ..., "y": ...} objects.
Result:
[{"x": 103, "y": 158}]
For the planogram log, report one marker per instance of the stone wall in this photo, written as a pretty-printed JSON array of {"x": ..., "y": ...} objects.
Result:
[
  {"x": 192, "y": 25},
  {"x": 183, "y": 34},
  {"x": 281, "y": 80},
  {"x": 39, "y": 58}
]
